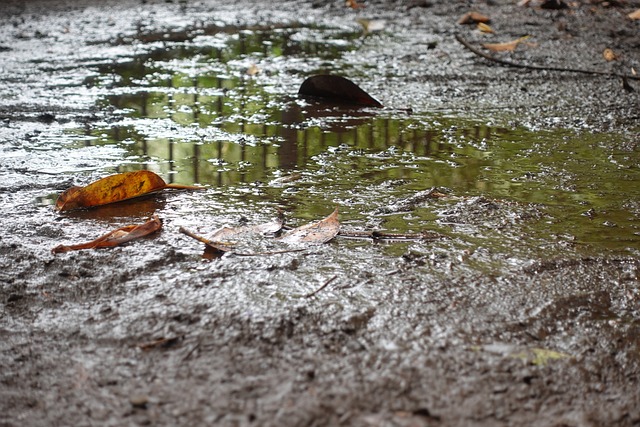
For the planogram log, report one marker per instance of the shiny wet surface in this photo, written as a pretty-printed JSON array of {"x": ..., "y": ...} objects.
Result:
[{"x": 530, "y": 290}]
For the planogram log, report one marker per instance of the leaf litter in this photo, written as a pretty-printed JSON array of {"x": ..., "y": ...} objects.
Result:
[
  {"x": 116, "y": 237},
  {"x": 115, "y": 188}
]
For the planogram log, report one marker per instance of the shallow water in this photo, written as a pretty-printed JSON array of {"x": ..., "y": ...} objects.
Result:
[
  {"x": 207, "y": 106},
  {"x": 195, "y": 112}
]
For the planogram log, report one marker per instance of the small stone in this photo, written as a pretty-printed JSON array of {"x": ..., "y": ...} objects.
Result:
[{"x": 139, "y": 401}]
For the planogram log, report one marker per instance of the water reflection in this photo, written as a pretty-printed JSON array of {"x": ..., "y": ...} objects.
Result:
[
  {"x": 191, "y": 113},
  {"x": 195, "y": 116}
]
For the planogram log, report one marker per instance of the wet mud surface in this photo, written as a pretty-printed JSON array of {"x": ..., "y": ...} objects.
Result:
[{"x": 521, "y": 308}]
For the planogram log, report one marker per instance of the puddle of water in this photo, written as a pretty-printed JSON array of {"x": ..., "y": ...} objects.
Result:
[{"x": 191, "y": 113}]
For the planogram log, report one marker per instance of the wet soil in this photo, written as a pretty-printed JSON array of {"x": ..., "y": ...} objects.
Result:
[{"x": 521, "y": 308}]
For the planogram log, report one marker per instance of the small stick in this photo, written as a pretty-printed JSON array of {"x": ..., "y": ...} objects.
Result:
[
  {"x": 216, "y": 246},
  {"x": 539, "y": 67},
  {"x": 321, "y": 287},
  {"x": 222, "y": 248},
  {"x": 380, "y": 235}
]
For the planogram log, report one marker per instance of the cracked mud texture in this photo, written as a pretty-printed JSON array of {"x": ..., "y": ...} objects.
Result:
[{"x": 523, "y": 314}]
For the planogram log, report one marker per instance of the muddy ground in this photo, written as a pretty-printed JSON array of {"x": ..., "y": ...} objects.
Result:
[{"x": 514, "y": 316}]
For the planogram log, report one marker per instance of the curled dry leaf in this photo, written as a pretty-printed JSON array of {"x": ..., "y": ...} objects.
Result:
[
  {"x": 316, "y": 232},
  {"x": 504, "y": 47},
  {"x": 473, "y": 18},
  {"x": 336, "y": 89},
  {"x": 115, "y": 188},
  {"x": 634, "y": 15},
  {"x": 116, "y": 237}
]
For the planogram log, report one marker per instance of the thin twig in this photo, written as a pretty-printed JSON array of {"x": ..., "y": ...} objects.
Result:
[
  {"x": 382, "y": 236},
  {"x": 321, "y": 287},
  {"x": 540, "y": 67},
  {"x": 193, "y": 350},
  {"x": 223, "y": 248},
  {"x": 285, "y": 251}
]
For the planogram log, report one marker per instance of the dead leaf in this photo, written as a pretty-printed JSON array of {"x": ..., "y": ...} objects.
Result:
[
  {"x": 634, "y": 15},
  {"x": 353, "y": 4},
  {"x": 116, "y": 237},
  {"x": 485, "y": 28},
  {"x": 473, "y": 18},
  {"x": 609, "y": 55},
  {"x": 504, "y": 47},
  {"x": 316, "y": 232},
  {"x": 336, "y": 89},
  {"x": 115, "y": 188},
  {"x": 252, "y": 70},
  {"x": 372, "y": 25},
  {"x": 226, "y": 234}
]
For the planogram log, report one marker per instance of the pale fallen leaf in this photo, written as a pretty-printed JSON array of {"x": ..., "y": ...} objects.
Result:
[
  {"x": 252, "y": 70},
  {"x": 504, "y": 47},
  {"x": 634, "y": 15},
  {"x": 372, "y": 25},
  {"x": 225, "y": 234},
  {"x": 316, "y": 232}
]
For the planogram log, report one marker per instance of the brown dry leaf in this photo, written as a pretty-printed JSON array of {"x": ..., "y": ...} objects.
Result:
[
  {"x": 504, "y": 47},
  {"x": 609, "y": 55},
  {"x": 634, "y": 15},
  {"x": 353, "y": 4},
  {"x": 115, "y": 188},
  {"x": 473, "y": 18},
  {"x": 316, "y": 232},
  {"x": 485, "y": 28},
  {"x": 116, "y": 237}
]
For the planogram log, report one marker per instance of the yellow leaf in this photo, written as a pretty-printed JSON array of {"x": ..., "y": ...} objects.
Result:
[
  {"x": 540, "y": 356},
  {"x": 115, "y": 188},
  {"x": 504, "y": 47}
]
